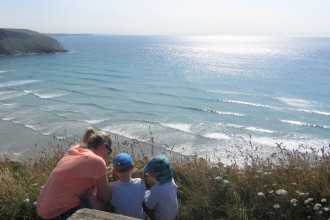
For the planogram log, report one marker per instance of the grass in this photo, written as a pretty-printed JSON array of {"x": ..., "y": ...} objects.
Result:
[{"x": 286, "y": 185}]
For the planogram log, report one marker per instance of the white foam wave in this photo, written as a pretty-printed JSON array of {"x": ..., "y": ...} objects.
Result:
[
  {"x": 9, "y": 95},
  {"x": 259, "y": 130},
  {"x": 295, "y": 102},
  {"x": 7, "y": 118},
  {"x": 277, "y": 108},
  {"x": 44, "y": 96},
  {"x": 312, "y": 111},
  {"x": 230, "y": 113},
  {"x": 49, "y": 95},
  {"x": 248, "y": 103},
  {"x": 3, "y": 71},
  {"x": 95, "y": 121},
  {"x": 223, "y": 92},
  {"x": 178, "y": 126},
  {"x": 223, "y": 113},
  {"x": 291, "y": 143},
  {"x": 250, "y": 128},
  {"x": 120, "y": 132},
  {"x": 218, "y": 136},
  {"x": 9, "y": 104},
  {"x": 234, "y": 125},
  {"x": 299, "y": 123},
  {"x": 17, "y": 83}
]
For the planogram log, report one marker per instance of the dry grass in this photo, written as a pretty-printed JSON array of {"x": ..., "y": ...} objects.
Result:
[{"x": 287, "y": 185}]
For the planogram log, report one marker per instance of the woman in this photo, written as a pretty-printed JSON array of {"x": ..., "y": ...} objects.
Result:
[{"x": 78, "y": 179}]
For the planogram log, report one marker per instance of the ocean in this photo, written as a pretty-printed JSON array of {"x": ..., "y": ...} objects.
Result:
[{"x": 197, "y": 95}]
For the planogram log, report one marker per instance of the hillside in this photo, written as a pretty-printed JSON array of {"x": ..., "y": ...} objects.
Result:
[{"x": 26, "y": 42}]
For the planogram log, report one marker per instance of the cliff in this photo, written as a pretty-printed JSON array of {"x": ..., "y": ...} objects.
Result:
[{"x": 25, "y": 42}]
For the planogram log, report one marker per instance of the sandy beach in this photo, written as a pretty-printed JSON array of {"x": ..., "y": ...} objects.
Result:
[{"x": 19, "y": 141}]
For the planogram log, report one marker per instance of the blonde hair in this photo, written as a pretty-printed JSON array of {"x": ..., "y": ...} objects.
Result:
[{"x": 92, "y": 138}]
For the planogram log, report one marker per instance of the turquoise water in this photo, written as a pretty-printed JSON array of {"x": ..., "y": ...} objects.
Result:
[{"x": 196, "y": 95}]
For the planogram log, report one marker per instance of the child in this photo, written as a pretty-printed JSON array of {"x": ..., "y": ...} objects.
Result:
[
  {"x": 161, "y": 201},
  {"x": 127, "y": 194}
]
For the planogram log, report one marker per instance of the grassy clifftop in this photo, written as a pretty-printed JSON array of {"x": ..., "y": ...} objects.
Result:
[{"x": 24, "y": 42}]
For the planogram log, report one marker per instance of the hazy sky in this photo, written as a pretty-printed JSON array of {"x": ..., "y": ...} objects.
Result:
[{"x": 170, "y": 17}]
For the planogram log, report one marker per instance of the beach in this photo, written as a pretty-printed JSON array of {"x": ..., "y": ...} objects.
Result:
[{"x": 20, "y": 142}]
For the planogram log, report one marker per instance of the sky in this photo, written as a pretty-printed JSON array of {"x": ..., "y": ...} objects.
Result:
[{"x": 294, "y": 18}]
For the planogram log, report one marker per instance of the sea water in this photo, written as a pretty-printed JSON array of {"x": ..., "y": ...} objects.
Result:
[{"x": 193, "y": 95}]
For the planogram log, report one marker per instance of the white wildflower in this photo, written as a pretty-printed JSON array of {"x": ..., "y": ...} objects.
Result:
[
  {"x": 276, "y": 206},
  {"x": 218, "y": 178},
  {"x": 301, "y": 194},
  {"x": 35, "y": 203},
  {"x": 271, "y": 191},
  {"x": 317, "y": 206},
  {"x": 294, "y": 202},
  {"x": 327, "y": 209},
  {"x": 261, "y": 194},
  {"x": 281, "y": 192},
  {"x": 27, "y": 200},
  {"x": 274, "y": 184},
  {"x": 307, "y": 201},
  {"x": 259, "y": 171},
  {"x": 324, "y": 200},
  {"x": 225, "y": 181}
]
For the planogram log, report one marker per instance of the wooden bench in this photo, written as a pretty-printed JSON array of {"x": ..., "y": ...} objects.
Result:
[{"x": 90, "y": 214}]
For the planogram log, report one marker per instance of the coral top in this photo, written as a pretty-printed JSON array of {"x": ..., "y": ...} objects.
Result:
[{"x": 73, "y": 175}]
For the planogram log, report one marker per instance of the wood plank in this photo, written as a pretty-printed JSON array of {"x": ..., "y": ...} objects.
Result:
[{"x": 89, "y": 214}]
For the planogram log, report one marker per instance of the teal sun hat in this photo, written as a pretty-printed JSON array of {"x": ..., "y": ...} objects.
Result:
[
  {"x": 122, "y": 161},
  {"x": 161, "y": 167}
]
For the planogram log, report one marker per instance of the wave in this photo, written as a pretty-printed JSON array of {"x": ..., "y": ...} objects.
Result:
[
  {"x": 249, "y": 103},
  {"x": 18, "y": 83},
  {"x": 44, "y": 96},
  {"x": 292, "y": 143},
  {"x": 9, "y": 104},
  {"x": 95, "y": 121},
  {"x": 299, "y": 123},
  {"x": 218, "y": 136},
  {"x": 260, "y": 130},
  {"x": 295, "y": 102},
  {"x": 276, "y": 108},
  {"x": 178, "y": 126},
  {"x": 213, "y": 111},
  {"x": 317, "y": 112},
  {"x": 7, "y": 119},
  {"x": 9, "y": 95},
  {"x": 223, "y": 113},
  {"x": 250, "y": 128},
  {"x": 224, "y": 92},
  {"x": 3, "y": 71}
]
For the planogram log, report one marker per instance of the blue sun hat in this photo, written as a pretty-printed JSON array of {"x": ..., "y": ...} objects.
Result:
[
  {"x": 122, "y": 161},
  {"x": 161, "y": 167}
]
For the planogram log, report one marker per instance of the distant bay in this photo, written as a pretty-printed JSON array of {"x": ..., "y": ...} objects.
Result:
[{"x": 193, "y": 95}]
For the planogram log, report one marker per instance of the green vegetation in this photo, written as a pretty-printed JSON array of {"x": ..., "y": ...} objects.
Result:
[
  {"x": 24, "y": 42},
  {"x": 288, "y": 185}
]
